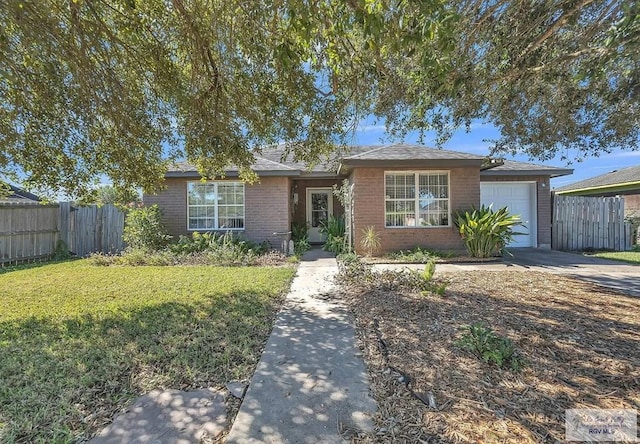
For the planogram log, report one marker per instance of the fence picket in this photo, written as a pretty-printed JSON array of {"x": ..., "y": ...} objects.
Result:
[
  {"x": 581, "y": 223},
  {"x": 30, "y": 231}
]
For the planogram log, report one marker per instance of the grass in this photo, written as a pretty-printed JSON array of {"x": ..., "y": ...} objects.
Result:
[
  {"x": 78, "y": 342},
  {"x": 632, "y": 257}
]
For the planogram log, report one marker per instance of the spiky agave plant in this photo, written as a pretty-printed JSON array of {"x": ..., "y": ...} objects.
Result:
[{"x": 485, "y": 232}]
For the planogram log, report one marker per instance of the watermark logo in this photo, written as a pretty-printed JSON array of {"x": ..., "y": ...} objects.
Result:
[{"x": 596, "y": 425}]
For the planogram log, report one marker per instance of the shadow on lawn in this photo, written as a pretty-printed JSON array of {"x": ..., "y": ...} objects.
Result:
[
  {"x": 581, "y": 352},
  {"x": 63, "y": 380}
]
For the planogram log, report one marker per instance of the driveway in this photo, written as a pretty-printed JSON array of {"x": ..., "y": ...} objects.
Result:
[{"x": 612, "y": 274}]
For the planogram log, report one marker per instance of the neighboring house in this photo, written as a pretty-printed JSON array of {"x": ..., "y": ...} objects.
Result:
[
  {"x": 408, "y": 193},
  {"x": 19, "y": 195},
  {"x": 624, "y": 182}
]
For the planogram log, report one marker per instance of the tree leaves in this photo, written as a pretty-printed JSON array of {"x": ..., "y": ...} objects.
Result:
[{"x": 123, "y": 87}]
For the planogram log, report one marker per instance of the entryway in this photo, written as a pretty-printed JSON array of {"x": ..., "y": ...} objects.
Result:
[{"x": 319, "y": 208}]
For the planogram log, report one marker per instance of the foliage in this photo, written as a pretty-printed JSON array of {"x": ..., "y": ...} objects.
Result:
[
  {"x": 333, "y": 228},
  {"x": 486, "y": 232},
  {"x": 107, "y": 194},
  {"x": 370, "y": 241},
  {"x": 199, "y": 249},
  {"x": 300, "y": 237},
  {"x": 352, "y": 271},
  {"x": 144, "y": 229},
  {"x": 5, "y": 190},
  {"x": 486, "y": 345},
  {"x": 61, "y": 252},
  {"x": 119, "y": 88},
  {"x": 417, "y": 255},
  {"x": 99, "y": 337}
]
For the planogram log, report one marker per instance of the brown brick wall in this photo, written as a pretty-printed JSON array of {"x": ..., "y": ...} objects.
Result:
[
  {"x": 543, "y": 196},
  {"x": 632, "y": 205},
  {"x": 299, "y": 211},
  {"x": 266, "y": 208},
  {"x": 369, "y": 210}
]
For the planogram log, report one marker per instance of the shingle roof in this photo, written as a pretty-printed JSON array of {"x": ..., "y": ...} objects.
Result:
[
  {"x": 401, "y": 151},
  {"x": 261, "y": 166},
  {"x": 279, "y": 160},
  {"x": 513, "y": 167},
  {"x": 613, "y": 178}
]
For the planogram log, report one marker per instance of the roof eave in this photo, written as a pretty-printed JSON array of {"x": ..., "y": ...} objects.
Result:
[
  {"x": 397, "y": 163},
  {"x": 551, "y": 173},
  {"x": 264, "y": 173},
  {"x": 626, "y": 186}
]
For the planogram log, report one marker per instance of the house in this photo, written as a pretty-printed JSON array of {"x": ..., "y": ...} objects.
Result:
[
  {"x": 18, "y": 195},
  {"x": 406, "y": 192},
  {"x": 624, "y": 182}
]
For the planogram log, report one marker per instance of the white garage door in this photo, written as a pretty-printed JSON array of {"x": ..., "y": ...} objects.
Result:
[{"x": 520, "y": 199}]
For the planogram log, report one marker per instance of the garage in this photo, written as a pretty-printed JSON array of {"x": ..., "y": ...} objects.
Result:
[{"x": 520, "y": 199}]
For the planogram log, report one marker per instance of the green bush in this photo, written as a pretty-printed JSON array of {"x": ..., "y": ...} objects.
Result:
[
  {"x": 485, "y": 232},
  {"x": 144, "y": 229},
  {"x": 334, "y": 229},
  {"x": 482, "y": 342},
  {"x": 417, "y": 255},
  {"x": 300, "y": 237}
]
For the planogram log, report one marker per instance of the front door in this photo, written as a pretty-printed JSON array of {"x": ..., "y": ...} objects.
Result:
[{"x": 319, "y": 208}]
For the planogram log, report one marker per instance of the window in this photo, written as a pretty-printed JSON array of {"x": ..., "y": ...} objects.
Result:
[
  {"x": 428, "y": 207},
  {"x": 215, "y": 205}
]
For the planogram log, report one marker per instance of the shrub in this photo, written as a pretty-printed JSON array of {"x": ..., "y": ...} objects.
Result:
[
  {"x": 417, "y": 255},
  {"x": 486, "y": 232},
  {"x": 352, "y": 271},
  {"x": 334, "y": 229},
  {"x": 300, "y": 237},
  {"x": 144, "y": 229},
  {"x": 482, "y": 342},
  {"x": 370, "y": 241},
  {"x": 61, "y": 252}
]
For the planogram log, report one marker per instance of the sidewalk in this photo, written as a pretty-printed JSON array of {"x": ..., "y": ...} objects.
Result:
[{"x": 311, "y": 384}]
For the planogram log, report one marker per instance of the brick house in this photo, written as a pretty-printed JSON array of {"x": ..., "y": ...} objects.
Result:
[{"x": 383, "y": 182}]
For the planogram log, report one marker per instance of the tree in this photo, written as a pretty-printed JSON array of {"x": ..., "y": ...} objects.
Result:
[
  {"x": 122, "y": 87},
  {"x": 108, "y": 194}
]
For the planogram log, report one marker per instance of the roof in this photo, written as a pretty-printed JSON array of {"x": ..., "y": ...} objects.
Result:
[
  {"x": 18, "y": 194},
  {"x": 405, "y": 155},
  {"x": 262, "y": 166},
  {"x": 515, "y": 168},
  {"x": 618, "y": 180},
  {"x": 279, "y": 160}
]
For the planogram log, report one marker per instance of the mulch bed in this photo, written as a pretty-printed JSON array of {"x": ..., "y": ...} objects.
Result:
[{"x": 580, "y": 342}]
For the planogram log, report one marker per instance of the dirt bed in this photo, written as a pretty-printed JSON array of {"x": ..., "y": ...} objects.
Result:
[{"x": 580, "y": 342}]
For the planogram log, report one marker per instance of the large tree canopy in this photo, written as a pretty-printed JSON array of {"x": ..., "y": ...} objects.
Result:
[{"x": 121, "y": 87}]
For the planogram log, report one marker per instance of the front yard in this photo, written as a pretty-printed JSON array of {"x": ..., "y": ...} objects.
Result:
[
  {"x": 579, "y": 344},
  {"x": 78, "y": 342}
]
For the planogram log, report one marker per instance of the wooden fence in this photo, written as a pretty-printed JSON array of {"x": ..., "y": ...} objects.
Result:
[
  {"x": 590, "y": 223},
  {"x": 30, "y": 231}
]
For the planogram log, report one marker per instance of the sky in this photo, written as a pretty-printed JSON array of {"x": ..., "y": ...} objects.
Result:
[{"x": 372, "y": 133}]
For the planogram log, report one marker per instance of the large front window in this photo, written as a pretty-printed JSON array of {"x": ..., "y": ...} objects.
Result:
[
  {"x": 215, "y": 205},
  {"x": 416, "y": 199}
]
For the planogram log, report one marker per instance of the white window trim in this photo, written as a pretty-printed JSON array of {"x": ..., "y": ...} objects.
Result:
[
  {"x": 416, "y": 174},
  {"x": 215, "y": 210}
]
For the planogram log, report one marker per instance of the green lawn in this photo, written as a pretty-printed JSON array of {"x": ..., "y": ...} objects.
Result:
[
  {"x": 625, "y": 256},
  {"x": 77, "y": 342}
]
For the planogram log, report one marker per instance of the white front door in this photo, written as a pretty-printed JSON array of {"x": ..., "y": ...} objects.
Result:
[
  {"x": 520, "y": 199},
  {"x": 319, "y": 208}
]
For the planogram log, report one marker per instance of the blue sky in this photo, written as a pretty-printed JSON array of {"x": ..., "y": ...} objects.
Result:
[{"x": 371, "y": 133}]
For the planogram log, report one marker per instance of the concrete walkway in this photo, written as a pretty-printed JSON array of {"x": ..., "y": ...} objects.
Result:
[{"x": 311, "y": 384}]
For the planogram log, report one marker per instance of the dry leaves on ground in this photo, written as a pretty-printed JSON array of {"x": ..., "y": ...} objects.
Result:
[{"x": 581, "y": 344}]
